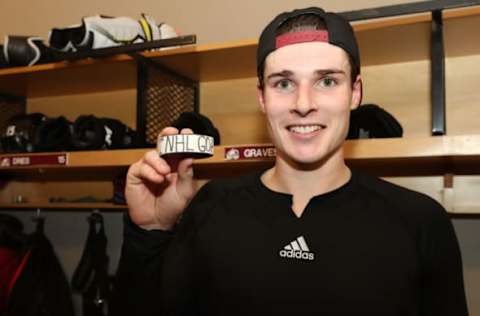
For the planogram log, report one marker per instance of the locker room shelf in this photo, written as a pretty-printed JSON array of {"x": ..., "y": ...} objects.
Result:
[
  {"x": 211, "y": 62},
  {"x": 61, "y": 206},
  {"x": 383, "y": 157},
  {"x": 395, "y": 156},
  {"x": 408, "y": 39}
]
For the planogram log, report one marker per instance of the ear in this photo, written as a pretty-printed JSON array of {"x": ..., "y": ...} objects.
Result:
[
  {"x": 357, "y": 92},
  {"x": 261, "y": 97}
]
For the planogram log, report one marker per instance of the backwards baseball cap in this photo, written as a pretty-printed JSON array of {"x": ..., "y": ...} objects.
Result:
[{"x": 338, "y": 32}]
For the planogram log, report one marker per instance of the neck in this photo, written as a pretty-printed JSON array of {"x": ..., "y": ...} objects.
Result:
[{"x": 305, "y": 182}]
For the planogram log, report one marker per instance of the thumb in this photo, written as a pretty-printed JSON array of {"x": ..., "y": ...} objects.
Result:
[
  {"x": 185, "y": 170},
  {"x": 185, "y": 183}
]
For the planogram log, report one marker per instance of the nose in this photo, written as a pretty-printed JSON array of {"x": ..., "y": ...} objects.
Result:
[{"x": 304, "y": 104}]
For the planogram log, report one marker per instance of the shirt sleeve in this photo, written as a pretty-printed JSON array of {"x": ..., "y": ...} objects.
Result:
[
  {"x": 138, "y": 277},
  {"x": 156, "y": 273},
  {"x": 180, "y": 289},
  {"x": 442, "y": 288}
]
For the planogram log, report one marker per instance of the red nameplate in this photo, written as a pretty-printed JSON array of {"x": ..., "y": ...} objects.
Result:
[{"x": 33, "y": 160}]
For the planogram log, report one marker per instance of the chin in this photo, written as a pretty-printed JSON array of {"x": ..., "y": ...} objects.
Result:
[{"x": 305, "y": 160}]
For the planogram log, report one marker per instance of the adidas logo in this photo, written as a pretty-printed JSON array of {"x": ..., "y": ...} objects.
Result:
[{"x": 297, "y": 249}]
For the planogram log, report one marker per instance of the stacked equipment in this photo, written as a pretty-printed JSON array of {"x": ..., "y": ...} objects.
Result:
[
  {"x": 92, "y": 33},
  {"x": 35, "y": 132}
]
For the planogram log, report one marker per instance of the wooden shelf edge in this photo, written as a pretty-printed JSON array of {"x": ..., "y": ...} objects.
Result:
[
  {"x": 380, "y": 23},
  {"x": 106, "y": 158},
  {"x": 203, "y": 48},
  {"x": 409, "y": 19},
  {"x": 454, "y": 148},
  {"x": 457, "y": 211},
  {"x": 461, "y": 12},
  {"x": 121, "y": 58},
  {"x": 465, "y": 210},
  {"x": 33, "y": 205},
  {"x": 64, "y": 65},
  {"x": 380, "y": 148}
]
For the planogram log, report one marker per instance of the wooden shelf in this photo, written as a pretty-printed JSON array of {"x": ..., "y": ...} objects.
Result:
[
  {"x": 203, "y": 62},
  {"x": 383, "y": 157},
  {"x": 108, "y": 207},
  {"x": 79, "y": 159},
  {"x": 403, "y": 156},
  {"x": 62, "y": 206},
  {"x": 214, "y": 62}
]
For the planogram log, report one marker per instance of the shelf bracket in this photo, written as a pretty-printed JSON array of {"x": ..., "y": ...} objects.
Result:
[
  {"x": 142, "y": 82},
  {"x": 438, "y": 75}
]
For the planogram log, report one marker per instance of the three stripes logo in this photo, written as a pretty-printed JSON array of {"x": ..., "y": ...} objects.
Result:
[{"x": 297, "y": 249}]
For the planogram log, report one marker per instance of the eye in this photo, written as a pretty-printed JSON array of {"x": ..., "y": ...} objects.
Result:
[
  {"x": 284, "y": 85},
  {"x": 327, "y": 82}
]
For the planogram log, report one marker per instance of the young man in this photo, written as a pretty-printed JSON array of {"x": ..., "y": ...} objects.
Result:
[{"x": 306, "y": 237}]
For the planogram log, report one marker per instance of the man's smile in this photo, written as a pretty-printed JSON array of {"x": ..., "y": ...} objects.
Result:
[{"x": 305, "y": 128}]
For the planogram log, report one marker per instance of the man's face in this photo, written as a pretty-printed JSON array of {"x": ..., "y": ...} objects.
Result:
[{"x": 307, "y": 99}]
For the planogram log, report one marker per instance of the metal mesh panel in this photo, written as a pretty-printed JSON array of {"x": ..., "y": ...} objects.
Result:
[
  {"x": 166, "y": 97},
  {"x": 9, "y": 107}
]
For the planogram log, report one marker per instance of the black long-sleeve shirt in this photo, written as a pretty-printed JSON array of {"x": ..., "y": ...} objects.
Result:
[{"x": 367, "y": 248}]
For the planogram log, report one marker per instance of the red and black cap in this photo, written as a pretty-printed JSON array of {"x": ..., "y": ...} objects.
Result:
[{"x": 338, "y": 32}]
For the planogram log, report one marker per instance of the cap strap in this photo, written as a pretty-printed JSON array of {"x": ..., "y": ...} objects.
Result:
[{"x": 301, "y": 37}]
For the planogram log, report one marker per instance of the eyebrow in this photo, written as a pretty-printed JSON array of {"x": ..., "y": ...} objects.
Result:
[
  {"x": 319, "y": 72},
  {"x": 329, "y": 71},
  {"x": 283, "y": 74}
]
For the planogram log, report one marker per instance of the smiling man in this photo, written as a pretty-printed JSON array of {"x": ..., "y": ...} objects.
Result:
[
  {"x": 307, "y": 88},
  {"x": 308, "y": 236}
]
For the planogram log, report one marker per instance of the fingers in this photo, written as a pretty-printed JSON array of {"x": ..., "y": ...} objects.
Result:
[
  {"x": 168, "y": 131},
  {"x": 152, "y": 159},
  {"x": 186, "y": 131},
  {"x": 173, "y": 131},
  {"x": 148, "y": 173},
  {"x": 151, "y": 168}
]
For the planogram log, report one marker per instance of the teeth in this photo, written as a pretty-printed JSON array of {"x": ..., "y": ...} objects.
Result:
[{"x": 304, "y": 129}]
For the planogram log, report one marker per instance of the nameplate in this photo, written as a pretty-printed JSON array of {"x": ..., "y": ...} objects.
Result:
[
  {"x": 250, "y": 152},
  {"x": 26, "y": 160}
]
